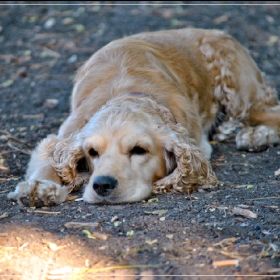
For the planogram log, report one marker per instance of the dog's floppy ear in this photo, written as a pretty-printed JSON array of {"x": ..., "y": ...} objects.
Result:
[
  {"x": 192, "y": 169},
  {"x": 68, "y": 158}
]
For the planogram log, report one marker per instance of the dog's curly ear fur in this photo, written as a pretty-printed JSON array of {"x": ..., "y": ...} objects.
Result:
[
  {"x": 65, "y": 160},
  {"x": 192, "y": 169}
]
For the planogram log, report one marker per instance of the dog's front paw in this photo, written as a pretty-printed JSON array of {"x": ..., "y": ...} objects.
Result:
[
  {"x": 39, "y": 193},
  {"x": 256, "y": 139}
]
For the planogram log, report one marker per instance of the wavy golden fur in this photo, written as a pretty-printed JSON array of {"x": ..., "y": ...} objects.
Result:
[{"x": 141, "y": 111}]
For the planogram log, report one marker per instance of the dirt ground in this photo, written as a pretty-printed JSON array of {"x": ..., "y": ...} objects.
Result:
[{"x": 41, "y": 47}]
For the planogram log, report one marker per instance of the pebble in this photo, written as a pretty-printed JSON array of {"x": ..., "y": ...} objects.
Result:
[
  {"x": 51, "y": 103},
  {"x": 256, "y": 227},
  {"x": 67, "y": 21},
  {"x": 72, "y": 59},
  {"x": 49, "y": 23}
]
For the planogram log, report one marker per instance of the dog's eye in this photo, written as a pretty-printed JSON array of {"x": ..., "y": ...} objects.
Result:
[
  {"x": 93, "y": 153},
  {"x": 82, "y": 165},
  {"x": 138, "y": 151}
]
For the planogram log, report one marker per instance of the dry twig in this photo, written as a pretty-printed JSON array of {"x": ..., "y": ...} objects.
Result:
[
  {"x": 42, "y": 212},
  {"x": 77, "y": 225},
  {"x": 226, "y": 263}
]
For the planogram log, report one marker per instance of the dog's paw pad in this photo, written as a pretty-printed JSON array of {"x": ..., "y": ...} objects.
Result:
[
  {"x": 256, "y": 139},
  {"x": 39, "y": 193}
]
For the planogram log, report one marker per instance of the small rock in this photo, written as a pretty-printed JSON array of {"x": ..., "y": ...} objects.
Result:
[
  {"x": 270, "y": 19},
  {"x": 72, "y": 59},
  {"x": 256, "y": 227},
  {"x": 4, "y": 215},
  {"x": 3, "y": 139},
  {"x": 51, "y": 103},
  {"x": 68, "y": 21},
  {"x": 50, "y": 23},
  {"x": 79, "y": 28}
]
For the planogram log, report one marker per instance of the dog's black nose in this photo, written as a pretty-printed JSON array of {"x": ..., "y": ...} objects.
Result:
[{"x": 103, "y": 185}]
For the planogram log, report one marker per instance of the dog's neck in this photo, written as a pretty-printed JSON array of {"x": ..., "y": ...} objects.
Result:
[{"x": 139, "y": 93}]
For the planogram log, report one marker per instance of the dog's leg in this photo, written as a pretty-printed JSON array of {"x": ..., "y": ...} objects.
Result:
[
  {"x": 264, "y": 129},
  {"x": 42, "y": 185},
  {"x": 240, "y": 88}
]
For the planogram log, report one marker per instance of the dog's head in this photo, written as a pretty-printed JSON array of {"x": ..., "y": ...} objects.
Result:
[{"x": 133, "y": 148}]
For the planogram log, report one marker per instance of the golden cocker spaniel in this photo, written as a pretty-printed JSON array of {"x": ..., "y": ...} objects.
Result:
[{"x": 141, "y": 111}]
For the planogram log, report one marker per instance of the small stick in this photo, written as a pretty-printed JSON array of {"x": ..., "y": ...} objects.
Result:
[
  {"x": 226, "y": 263},
  {"x": 42, "y": 212},
  {"x": 19, "y": 150},
  {"x": 231, "y": 163},
  {"x": 10, "y": 137},
  {"x": 4, "y": 168},
  {"x": 78, "y": 225},
  {"x": 4, "y": 191},
  {"x": 19, "y": 141},
  {"x": 260, "y": 198}
]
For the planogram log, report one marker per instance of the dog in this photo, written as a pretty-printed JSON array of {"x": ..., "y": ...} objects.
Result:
[{"x": 142, "y": 108}]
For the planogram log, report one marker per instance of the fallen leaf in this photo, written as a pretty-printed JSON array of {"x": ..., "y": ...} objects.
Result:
[
  {"x": 117, "y": 223},
  {"x": 170, "y": 236},
  {"x": 130, "y": 233},
  {"x": 88, "y": 234},
  {"x": 7, "y": 83},
  {"x": 152, "y": 200},
  {"x": 79, "y": 28},
  {"x": 151, "y": 242},
  {"x": 176, "y": 22},
  {"x": 244, "y": 212}
]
